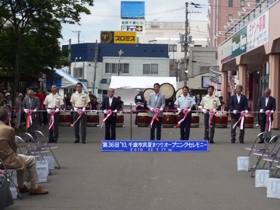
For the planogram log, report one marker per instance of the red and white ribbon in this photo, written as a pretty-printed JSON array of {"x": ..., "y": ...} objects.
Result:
[
  {"x": 242, "y": 117},
  {"x": 185, "y": 112},
  {"x": 80, "y": 112},
  {"x": 28, "y": 118},
  {"x": 156, "y": 111},
  {"x": 211, "y": 114},
  {"x": 109, "y": 113},
  {"x": 51, "y": 119},
  {"x": 268, "y": 120}
]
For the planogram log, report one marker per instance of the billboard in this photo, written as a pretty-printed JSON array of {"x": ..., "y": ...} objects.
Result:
[
  {"x": 118, "y": 37},
  {"x": 133, "y": 9},
  {"x": 133, "y": 25}
]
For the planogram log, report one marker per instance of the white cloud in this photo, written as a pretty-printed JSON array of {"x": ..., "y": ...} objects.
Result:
[{"x": 105, "y": 15}]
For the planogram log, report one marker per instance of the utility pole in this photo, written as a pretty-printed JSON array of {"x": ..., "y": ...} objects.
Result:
[
  {"x": 186, "y": 46},
  {"x": 95, "y": 65},
  {"x": 119, "y": 64},
  {"x": 78, "y": 35},
  {"x": 69, "y": 57}
]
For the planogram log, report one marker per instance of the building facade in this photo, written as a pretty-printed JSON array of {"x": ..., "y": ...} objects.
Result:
[{"x": 253, "y": 51}]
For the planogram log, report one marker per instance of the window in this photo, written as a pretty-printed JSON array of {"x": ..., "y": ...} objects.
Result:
[
  {"x": 242, "y": 3},
  {"x": 182, "y": 48},
  {"x": 230, "y": 18},
  {"x": 150, "y": 68},
  {"x": 172, "y": 48},
  {"x": 241, "y": 17},
  {"x": 112, "y": 68},
  {"x": 78, "y": 72},
  {"x": 230, "y": 3}
]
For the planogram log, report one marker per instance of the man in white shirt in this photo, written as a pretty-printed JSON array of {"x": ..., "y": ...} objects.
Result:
[{"x": 53, "y": 102}]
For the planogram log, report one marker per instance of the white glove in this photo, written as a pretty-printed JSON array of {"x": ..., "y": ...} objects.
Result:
[
  {"x": 57, "y": 110},
  {"x": 204, "y": 111},
  {"x": 215, "y": 110},
  {"x": 234, "y": 111},
  {"x": 49, "y": 111},
  {"x": 261, "y": 111},
  {"x": 178, "y": 109},
  {"x": 25, "y": 110},
  {"x": 189, "y": 109},
  {"x": 35, "y": 110},
  {"x": 115, "y": 111},
  {"x": 151, "y": 109},
  {"x": 271, "y": 111},
  {"x": 160, "y": 109},
  {"x": 75, "y": 109},
  {"x": 84, "y": 109},
  {"x": 246, "y": 111},
  {"x": 105, "y": 111}
]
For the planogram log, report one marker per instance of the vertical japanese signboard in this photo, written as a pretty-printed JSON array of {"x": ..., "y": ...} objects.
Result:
[{"x": 257, "y": 31}]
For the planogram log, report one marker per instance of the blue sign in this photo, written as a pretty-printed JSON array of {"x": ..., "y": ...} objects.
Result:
[
  {"x": 133, "y": 9},
  {"x": 154, "y": 146}
]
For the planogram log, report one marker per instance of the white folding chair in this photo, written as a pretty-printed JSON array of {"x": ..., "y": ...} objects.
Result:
[
  {"x": 8, "y": 173},
  {"x": 43, "y": 145},
  {"x": 271, "y": 150}
]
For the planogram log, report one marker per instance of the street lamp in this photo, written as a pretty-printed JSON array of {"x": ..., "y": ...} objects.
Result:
[{"x": 119, "y": 65}]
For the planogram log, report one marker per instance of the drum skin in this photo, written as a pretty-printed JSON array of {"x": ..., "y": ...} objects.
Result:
[
  {"x": 249, "y": 121},
  {"x": 120, "y": 120},
  {"x": 92, "y": 119},
  {"x": 167, "y": 90},
  {"x": 168, "y": 120},
  {"x": 143, "y": 120},
  {"x": 65, "y": 119},
  {"x": 221, "y": 120}
]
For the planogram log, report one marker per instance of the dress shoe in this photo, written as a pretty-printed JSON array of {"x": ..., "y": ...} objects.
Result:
[
  {"x": 77, "y": 141},
  {"x": 23, "y": 189},
  {"x": 260, "y": 142},
  {"x": 84, "y": 142},
  {"x": 50, "y": 141},
  {"x": 241, "y": 141},
  {"x": 212, "y": 142},
  {"x": 38, "y": 191}
]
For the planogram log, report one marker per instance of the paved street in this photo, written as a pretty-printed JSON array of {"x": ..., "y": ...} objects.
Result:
[{"x": 90, "y": 179}]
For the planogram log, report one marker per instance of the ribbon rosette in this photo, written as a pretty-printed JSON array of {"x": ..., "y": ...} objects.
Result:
[
  {"x": 156, "y": 111},
  {"x": 108, "y": 114},
  {"x": 29, "y": 118},
  {"x": 80, "y": 112},
  {"x": 268, "y": 120},
  {"x": 242, "y": 117},
  {"x": 185, "y": 112},
  {"x": 211, "y": 114},
  {"x": 51, "y": 119}
]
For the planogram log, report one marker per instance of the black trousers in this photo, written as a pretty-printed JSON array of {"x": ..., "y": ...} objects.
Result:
[
  {"x": 185, "y": 126},
  {"x": 211, "y": 129},
  {"x": 157, "y": 125},
  {"x": 110, "y": 127},
  {"x": 263, "y": 127},
  {"x": 233, "y": 130},
  {"x": 53, "y": 134},
  {"x": 82, "y": 120}
]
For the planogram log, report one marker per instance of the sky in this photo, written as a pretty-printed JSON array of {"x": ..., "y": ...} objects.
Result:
[{"x": 105, "y": 16}]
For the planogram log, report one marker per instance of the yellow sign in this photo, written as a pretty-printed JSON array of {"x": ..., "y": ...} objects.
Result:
[
  {"x": 125, "y": 37},
  {"x": 118, "y": 37}
]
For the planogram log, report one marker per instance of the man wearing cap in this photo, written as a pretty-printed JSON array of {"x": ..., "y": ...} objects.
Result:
[
  {"x": 156, "y": 104},
  {"x": 32, "y": 104},
  {"x": 79, "y": 102},
  {"x": 53, "y": 102},
  {"x": 8, "y": 101},
  {"x": 185, "y": 103},
  {"x": 18, "y": 109}
]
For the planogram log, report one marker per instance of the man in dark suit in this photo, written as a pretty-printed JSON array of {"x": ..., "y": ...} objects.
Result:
[
  {"x": 238, "y": 103},
  {"x": 110, "y": 103},
  {"x": 265, "y": 103},
  {"x": 32, "y": 102},
  {"x": 156, "y": 101}
]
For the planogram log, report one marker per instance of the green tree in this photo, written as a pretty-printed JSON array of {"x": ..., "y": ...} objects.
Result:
[{"x": 29, "y": 33}]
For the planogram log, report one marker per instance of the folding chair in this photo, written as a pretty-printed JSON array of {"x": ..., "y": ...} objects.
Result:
[
  {"x": 44, "y": 145},
  {"x": 278, "y": 168},
  {"x": 256, "y": 147},
  {"x": 271, "y": 150},
  {"x": 8, "y": 173},
  {"x": 25, "y": 148}
]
